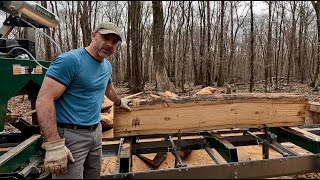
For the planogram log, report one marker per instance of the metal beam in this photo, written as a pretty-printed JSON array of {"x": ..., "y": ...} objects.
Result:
[
  {"x": 178, "y": 160},
  {"x": 265, "y": 168},
  {"x": 156, "y": 161},
  {"x": 184, "y": 144},
  {"x": 163, "y": 146},
  {"x": 284, "y": 149},
  {"x": 12, "y": 159},
  {"x": 212, "y": 155},
  {"x": 5, "y": 31},
  {"x": 124, "y": 159},
  {"x": 224, "y": 147},
  {"x": 297, "y": 138}
]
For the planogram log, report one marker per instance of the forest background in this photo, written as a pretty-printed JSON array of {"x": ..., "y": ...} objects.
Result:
[{"x": 180, "y": 44}]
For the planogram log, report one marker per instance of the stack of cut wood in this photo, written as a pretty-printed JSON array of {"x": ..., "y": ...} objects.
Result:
[{"x": 107, "y": 114}]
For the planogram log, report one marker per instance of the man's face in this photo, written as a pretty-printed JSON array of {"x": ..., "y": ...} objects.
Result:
[{"x": 104, "y": 44}]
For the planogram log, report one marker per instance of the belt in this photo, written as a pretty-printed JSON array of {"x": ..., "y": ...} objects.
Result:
[{"x": 75, "y": 127}]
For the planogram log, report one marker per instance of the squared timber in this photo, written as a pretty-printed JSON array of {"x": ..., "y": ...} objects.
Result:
[{"x": 196, "y": 114}]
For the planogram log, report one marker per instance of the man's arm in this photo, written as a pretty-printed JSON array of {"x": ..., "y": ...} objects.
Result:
[
  {"x": 46, "y": 113},
  {"x": 112, "y": 95}
]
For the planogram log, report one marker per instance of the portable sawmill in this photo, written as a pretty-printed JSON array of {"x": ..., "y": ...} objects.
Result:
[{"x": 21, "y": 74}]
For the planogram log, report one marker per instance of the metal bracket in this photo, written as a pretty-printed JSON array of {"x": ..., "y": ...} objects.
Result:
[
  {"x": 178, "y": 162},
  {"x": 274, "y": 145},
  {"x": 124, "y": 156},
  {"x": 156, "y": 161},
  {"x": 224, "y": 147}
]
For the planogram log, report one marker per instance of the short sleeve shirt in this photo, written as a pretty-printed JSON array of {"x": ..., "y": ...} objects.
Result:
[{"x": 86, "y": 80}]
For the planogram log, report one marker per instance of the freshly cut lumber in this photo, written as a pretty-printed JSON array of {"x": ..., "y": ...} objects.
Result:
[
  {"x": 206, "y": 91},
  {"x": 195, "y": 114},
  {"x": 306, "y": 133},
  {"x": 133, "y": 95},
  {"x": 107, "y": 119},
  {"x": 107, "y": 103},
  {"x": 314, "y": 107},
  {"x": 167, "y": 94},
  {"x": 312, "y": 115}
]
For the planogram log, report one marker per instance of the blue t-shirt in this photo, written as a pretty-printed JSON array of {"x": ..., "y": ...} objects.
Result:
[{"x": 86, "y": 80}]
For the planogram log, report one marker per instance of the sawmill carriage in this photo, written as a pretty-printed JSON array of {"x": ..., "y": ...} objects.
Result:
[
  {"x": 216, "y": 124},
  {"x": 219, "y": 125}
]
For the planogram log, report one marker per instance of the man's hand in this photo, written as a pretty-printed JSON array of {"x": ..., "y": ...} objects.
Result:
[
  {"x": 124, "y": 104},
  {"x": 57, "y": 155}
]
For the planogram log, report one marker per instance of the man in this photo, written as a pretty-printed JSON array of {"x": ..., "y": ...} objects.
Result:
[{"x": 69, "y": 105}]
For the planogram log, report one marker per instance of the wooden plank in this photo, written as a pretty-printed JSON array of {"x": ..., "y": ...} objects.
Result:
[
  {"x": 307, "y": 134},
  {"x": 194, "y": 114},
  {"x": 108, "y": 117},
  {"x": 312, "y": 114},
  {"x": 313, "y": 107}
]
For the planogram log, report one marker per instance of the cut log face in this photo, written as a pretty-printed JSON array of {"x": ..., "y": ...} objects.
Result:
[{"x": 195, "y": 114}]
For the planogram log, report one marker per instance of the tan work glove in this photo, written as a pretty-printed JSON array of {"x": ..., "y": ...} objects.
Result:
[
  {"x": 124, "y": 104},
  {"x": 57, "y": 155}
]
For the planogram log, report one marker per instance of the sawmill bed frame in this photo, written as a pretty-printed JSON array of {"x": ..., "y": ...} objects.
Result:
[{"x": 291, "y": 163}]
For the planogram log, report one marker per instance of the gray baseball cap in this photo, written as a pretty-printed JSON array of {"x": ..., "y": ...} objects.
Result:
[{"x": 107, "y": 28}]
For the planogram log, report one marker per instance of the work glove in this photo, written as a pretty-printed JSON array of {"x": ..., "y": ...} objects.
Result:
[
  {"x": 124, "y": 104},
  {"x": 57, "y": 155}
]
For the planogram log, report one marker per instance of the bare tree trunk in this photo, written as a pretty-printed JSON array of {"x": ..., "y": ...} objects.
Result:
[
  {"x": 116, "y": 66},
  {"x": 300, "y": 45},
  {"x": 209, "y": 59},
  {"x": 305, "y": 51},
  {"x": 221, "y": 62},
  {"x": 176, "y": 42},
  {"x": 89, "y": 15},
  {"x": 292, "y": 43},
  {"x": 174, "y": 55},
  {"x": 158, "y": 47},
  {"x": 95, "y": 15},
  {"x": 269, "y": 49},
  {"x": 128, "y": 74},
  {"x": 67, "y": 30},
  {"x": 231, "y": 43},
  {"x": 202, "y": 39},
  {"x": 74, "y": 39},
  {"x": 46, "y": 41},
  {"x": 185, "y": 47},
  {"x": 193, "y": 55},
  {"x": 316, "y": 6},
  {"x": 184, "y": 40},
  {"x": 169, "y": 51},
  {"x": 137, "y": 80},
  {"x": 147, "y": 60},
  {"x": 76, "y": 20},
  {"x": 54, "y": 32},
  {"x": 251, "y": 50},
  {"x": 85, "y": 24},
  {"x": 59, "y": 27},
  {"x": 279, "y": 48}
]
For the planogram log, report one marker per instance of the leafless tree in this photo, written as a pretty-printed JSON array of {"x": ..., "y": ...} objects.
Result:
[
  {"x": 158, "y": 47},
  {"x": 251, "y": 49},
  {"x": 221, "y": 46},
  {"x": 136, "y": 39}
]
